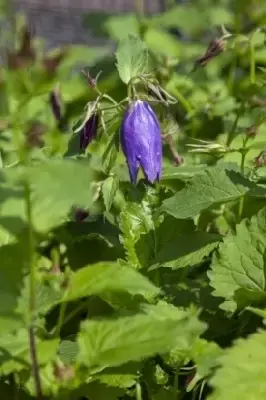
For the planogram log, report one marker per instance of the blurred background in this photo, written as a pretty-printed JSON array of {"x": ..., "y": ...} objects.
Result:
[{"x": 63, "y": 21}]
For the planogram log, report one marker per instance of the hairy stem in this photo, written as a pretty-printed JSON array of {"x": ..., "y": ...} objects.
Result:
[
  {"x": 32, "y": 294},
  {"x": 34, "y": 364},
  {"x": 231, "y": 134}
]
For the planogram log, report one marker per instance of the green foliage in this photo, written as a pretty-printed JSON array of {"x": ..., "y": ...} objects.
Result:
[
  {"x": 153, "y": 291},
  {"x": 241, "y": 373},
  {"x": 132, "y": 58},
  {"x": 238, "y": 270}
]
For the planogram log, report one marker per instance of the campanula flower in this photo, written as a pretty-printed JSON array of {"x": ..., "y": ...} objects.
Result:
[
  {"x": 89, "y": 131},
  {"x": 141, "y": 141}
]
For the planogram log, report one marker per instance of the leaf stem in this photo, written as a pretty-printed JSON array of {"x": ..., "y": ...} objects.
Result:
[
  {"x": 242, "y": 168},
  {"x": 34, "y": 363},
  {"x": 231, "y": 134},
  {"x": 32, "y": 293},
  {"x": 252, "y": 71}
]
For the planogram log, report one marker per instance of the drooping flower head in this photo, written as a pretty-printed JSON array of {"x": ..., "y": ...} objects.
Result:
[
  {"x": 89, "y": 131},
  {"x": 141, "y": 141}
]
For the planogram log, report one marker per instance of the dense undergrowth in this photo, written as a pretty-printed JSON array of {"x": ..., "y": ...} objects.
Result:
[{"x": 155, "y": 290}]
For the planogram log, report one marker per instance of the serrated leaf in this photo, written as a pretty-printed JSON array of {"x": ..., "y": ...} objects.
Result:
[
  {"x": 205, "y": 355},
  {"x": 56, "y": 187},
  {"x": 104, "y": 343},
  {"x": 132, "y": 58},
  {"x": 242, "y": 375},
  {"x": 68, "y": 351},
  {"x": 109, "y": 277},
  {"x": 238, "y": 270},
  {"x": 15, "y": 354},
  {"x": 109, "y": 188},
  {"x": 135, "y": 220},
  {"x": 213, "y": 186},
  {"x": 186, "y": 250}
]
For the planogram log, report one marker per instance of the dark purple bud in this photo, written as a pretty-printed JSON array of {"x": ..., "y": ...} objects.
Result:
[
  {"x": 55, "y": 102},
  {"x": 81, "y": 214},
  {"x": 141, "y": 141},
  {"x": 215, "y": 47},
  {"x": 89, "y": 131}
]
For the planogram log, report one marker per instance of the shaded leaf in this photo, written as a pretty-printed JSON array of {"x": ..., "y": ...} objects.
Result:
[
  {"x": 104, "y": 343},
  {"x": 238, "y": 270},
  {"x": 186, "y": 250}
]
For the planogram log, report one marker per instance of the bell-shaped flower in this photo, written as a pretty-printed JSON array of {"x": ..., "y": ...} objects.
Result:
[
  {"x": 141, "y": 141},
  {"x": 89, "y": 131}
]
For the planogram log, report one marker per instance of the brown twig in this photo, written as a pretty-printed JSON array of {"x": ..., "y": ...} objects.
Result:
[{"x": 169, "y": 140}]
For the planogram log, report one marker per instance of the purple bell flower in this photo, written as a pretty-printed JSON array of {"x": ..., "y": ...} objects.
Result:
[
  {"x": 89, "y": 131},
  {"x": 141, "y": 141}
]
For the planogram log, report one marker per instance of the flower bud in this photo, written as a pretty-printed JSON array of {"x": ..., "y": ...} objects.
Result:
[
  {"x": 215, "y": 47},
  {"x": 56, "y": 106},
  {"x": 260, "y": 160},
  {"x": 89, "y": 131},
  {"x": 141, "y": 141}
]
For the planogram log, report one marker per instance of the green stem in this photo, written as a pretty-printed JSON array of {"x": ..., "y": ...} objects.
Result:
[
  {"x": 138, "y": 392},
  {"x": 242, "y": 167},
  {"x": 32, "y": 294},
  {"x": 175, "y": 387},
  {"x": 31, "y": 252},
  {"x": 185, "y": 103},
  {"x": 60, "y": 323},
  {"x": 231, "y": 134},
  {"x": 252, "y": 71}
]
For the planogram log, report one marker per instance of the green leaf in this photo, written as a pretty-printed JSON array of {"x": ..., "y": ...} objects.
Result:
[
  {"x": 213, "y": 186},
  {"x": 135, "y": 221},
  {"x": 182, "y": 173},
  {"x": 56, "y": 187},
  {"x": 111, "y": 277},
  {"x": 206, "y": 357},
  {"x": 242, "y": 375},
  {"x": 104, "y": 343},
  {"x": 238, "y": 270},
  {"x": 68, "y": 351},
  {"x": 109, "y": 189},
  {"x": 13, "y": 267},
  {"x": 15, "y": 353},
  {"x": 187, "y": 250},
  {"x": 132, "y": 58}
]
